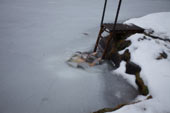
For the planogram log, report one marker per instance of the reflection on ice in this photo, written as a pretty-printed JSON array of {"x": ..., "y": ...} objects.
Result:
[{"x": 87, "y": 91}]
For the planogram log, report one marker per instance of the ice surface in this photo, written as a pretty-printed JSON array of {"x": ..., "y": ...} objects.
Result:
[{"x": 38, "y": 36}]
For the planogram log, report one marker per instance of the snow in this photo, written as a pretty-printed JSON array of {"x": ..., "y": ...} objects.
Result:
[
  {"x": 156, "y": 73},
  {"x": 157, "y": 21}
]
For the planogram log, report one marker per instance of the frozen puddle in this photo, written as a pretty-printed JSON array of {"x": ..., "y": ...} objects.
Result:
[
  {"x": 69, "y": 90},
  {"x": 85, "y": 92},
  {"x": 29, "y": 86}
]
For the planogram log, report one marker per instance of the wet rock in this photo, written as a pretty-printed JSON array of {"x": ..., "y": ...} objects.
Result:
[
  {"x": 115, "y": 57},
  {"x": 149, "y": 97},
  {"x": 122, "y": 44},
  {"x": 162, "y": 55},
  {"x": 143, "y": 89},
  {"x": 104, "y": 110},
  {"x": 132, "y": 68},
  {"x": 141, "y": 39},
  {"x": 126, "y": 56}
]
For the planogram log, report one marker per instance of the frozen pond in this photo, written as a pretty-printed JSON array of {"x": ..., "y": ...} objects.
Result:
[{"x": 38, "y": 36}]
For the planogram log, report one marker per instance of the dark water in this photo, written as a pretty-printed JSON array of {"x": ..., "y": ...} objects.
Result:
[
  {"x": 120, "y": 91},
  {"x": 88, "y": 93}
]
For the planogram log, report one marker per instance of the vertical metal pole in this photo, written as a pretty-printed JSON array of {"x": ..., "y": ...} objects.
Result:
[
  {"x": 101, "y": 26},
  {"x": 104, "y": 9},
  {"x": 98, "y": 38},
  {"x": 117, "y": 14},
  {"x": 113, "y": 31}
]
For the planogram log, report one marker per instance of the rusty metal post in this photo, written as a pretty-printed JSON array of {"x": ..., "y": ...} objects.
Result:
[
  {"x": 117, "y": 14},
  {"x": 101, "y": 26},
  {"x": 104, "y": 9},
  {"x": 99, "y": 36},
  {"x": 113, "y": 31}
]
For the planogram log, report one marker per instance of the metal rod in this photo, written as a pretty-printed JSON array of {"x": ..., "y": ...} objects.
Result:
[
  {"x": 101, "y": 26},
  {"x": 104, "y": 9},
  {"x": 98, "y": 38},
  {"x": 107, "y": 45},
  {"x": 117, "y": 14},
  {"x": 113, "y": 31}
]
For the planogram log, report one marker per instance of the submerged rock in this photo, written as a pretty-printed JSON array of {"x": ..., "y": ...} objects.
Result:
[{"x": 84, "y": 60}]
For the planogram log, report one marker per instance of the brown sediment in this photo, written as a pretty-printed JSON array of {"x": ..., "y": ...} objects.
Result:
[{"x": 120, "y": 106}]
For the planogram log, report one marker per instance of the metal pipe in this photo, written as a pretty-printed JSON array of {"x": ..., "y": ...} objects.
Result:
[
  {"x": 113, "y": 30},
  {"x": 117, "y": 14},
  {"x": 98, "y": 38},
  {"x": 104, "y": 9},
  {"x": 101, "y": 26}
]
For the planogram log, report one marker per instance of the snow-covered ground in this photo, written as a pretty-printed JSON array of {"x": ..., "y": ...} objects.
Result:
[
  {"x": 156, "y": 73},
  {"x": 38, "y": 36}
]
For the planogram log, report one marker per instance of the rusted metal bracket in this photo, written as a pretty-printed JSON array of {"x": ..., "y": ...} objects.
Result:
[
  {"x": 104, "y": 10},
  {"x": 99, "y": 36}
]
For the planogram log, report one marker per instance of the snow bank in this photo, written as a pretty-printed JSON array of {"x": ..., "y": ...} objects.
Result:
[
  {"x": 156, "y": 73},
  {"x": 159, "y": 22}
]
